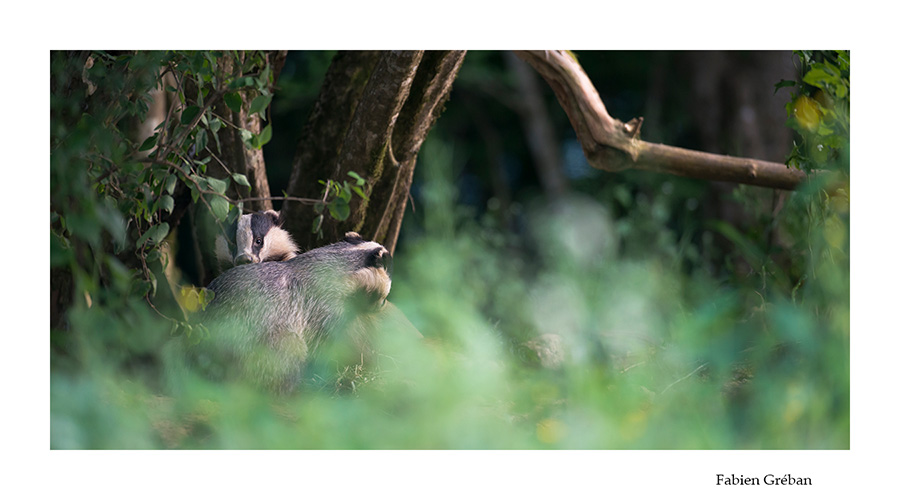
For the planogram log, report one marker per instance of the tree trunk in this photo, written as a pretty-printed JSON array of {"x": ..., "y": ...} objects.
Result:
[
  {"x": 371, "y": 117},
  {"x": 234, "y": 156}
]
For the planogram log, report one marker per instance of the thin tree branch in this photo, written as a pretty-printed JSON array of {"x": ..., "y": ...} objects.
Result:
[{"x": 612, "y": 145}]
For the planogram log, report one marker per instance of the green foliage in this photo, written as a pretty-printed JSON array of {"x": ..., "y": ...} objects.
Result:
[
  {"x": 113, "y": 188},
  {"x": 340, "y": 196},
  {"x": 819, "y": 110}
]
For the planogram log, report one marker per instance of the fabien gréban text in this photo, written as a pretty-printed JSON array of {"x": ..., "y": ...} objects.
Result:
[{"x": 768, "y": 479}]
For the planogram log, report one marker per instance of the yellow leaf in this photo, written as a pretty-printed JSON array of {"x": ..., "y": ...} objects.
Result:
[
  {"x": 807, "y": 112},
  {"x": 189, "y": 298}
]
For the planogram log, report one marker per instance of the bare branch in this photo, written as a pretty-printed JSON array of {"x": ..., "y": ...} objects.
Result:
[{"x": 612, "y": 145}]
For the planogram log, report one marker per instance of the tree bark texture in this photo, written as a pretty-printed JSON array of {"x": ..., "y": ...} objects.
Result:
[
  {"x": 612, "y": 145},
  {"x": 238, "y": 158},
  {"x": 371, "y": 117}
]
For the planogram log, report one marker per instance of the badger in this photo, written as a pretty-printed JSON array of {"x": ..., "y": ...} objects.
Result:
[
  {"x": 258, "y": 237},
  {"x": 267, "y": 320}
]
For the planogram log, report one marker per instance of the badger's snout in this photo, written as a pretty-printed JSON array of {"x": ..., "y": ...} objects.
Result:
[
  {"x": 381, "y": 259},
  {"x": 244, "y": 258}
]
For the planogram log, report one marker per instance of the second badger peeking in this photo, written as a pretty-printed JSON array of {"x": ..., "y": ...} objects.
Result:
[{"x": 258, "y": 237}]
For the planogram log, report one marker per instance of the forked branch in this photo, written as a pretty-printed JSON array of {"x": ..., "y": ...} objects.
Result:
[{"x": 612, "y": 145}]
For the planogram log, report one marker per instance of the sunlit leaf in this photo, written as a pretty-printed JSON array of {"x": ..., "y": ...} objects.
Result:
[
  {"x": 240, "y": 179},
  {"x": 339, "y": 209}
]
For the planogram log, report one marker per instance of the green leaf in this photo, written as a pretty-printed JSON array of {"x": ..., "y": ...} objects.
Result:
[
  {"x": 140, "y": 288},
  {"x": 189, "y": 113},
  {"x": 206, "y": 296},
  {"x": 167, "y": 203},
  {"x": 149, "y": 143},
  {"x": 247, "y": 138},
  {"x": 359, "y": 180},
  {"x": 214, "y": 125},
  {"x": 840, "y": 91},
  {"x": 360, "y": 192},
  {"x": 317, "y": 223},
  {"x": 244, "y": 81},
  {"x": 155, "y": 234},
  {"x": 217, "y": 185},
  {"x": 259, "y": 105},
  {"x": 265, "y": 136},
  {"x": 784, "y": 83},
  {"x": 339, "y": 209},
  {"x": 170, "y": 182},
  {"x": 240, "y": 179},
  {"x": 153, "y": 283},
  {"x": 219, "y": 207},
  {"x": 822, "y": 75},
  {"x": 345, "y": 193},
  {"x": 200, "y": 181},
  {"x": 233, "y": 101},
  {"x": 159, "y": 232},
  {"x": 200, "y": 141}
]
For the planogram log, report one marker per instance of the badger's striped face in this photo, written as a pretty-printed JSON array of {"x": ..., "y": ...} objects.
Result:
[
  {"x": 259, "y": 238},
  {"x": 375, "y": 266}
]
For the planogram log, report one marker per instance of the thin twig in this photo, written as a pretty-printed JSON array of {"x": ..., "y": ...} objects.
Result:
[
  {"x": 639, "y": 363},
  {"x": 307, "y": 201},
  {"x": 684, "y": 377}
]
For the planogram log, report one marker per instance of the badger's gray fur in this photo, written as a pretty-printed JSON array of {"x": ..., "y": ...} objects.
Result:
[
  {"x": 267, "y": 319},
  {"x": 258, "y": 237}
]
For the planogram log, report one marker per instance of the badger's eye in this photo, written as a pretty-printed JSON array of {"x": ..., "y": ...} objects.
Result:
[{"x": 258, "y": 240}]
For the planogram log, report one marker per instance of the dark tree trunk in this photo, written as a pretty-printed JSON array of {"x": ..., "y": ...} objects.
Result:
[
  {"x": 372, "y": 115},
  {"x": 234, "y": 156},
  {"x": 323, "y": 136}
]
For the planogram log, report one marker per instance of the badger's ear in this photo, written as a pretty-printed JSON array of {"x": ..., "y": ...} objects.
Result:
[
  {"x": 353, "y": 238},
  {"x": 277, "y": 218}
]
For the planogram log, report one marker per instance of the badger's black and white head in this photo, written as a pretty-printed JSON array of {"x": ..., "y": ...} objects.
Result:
[
  {"x": 258, "y": 237},
  {"x": 376, "y": 266},
  {"x": 365, "y": 266}
]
